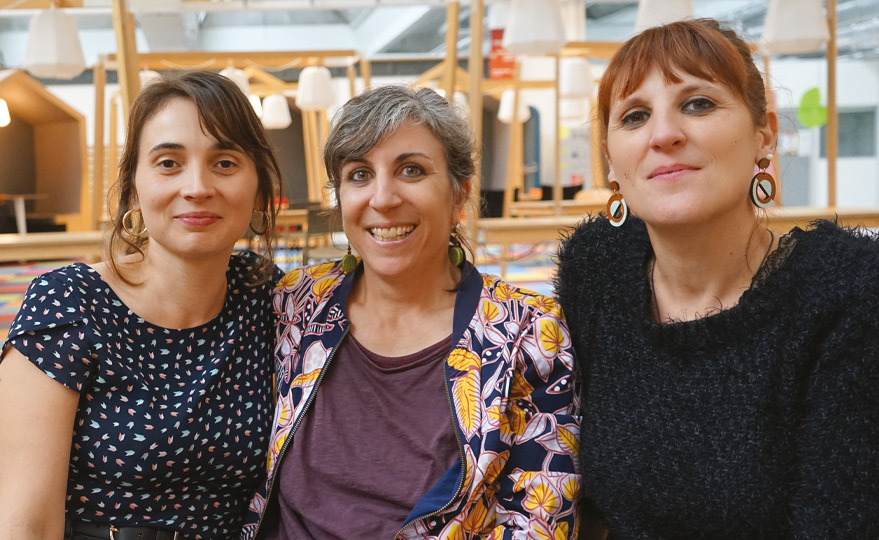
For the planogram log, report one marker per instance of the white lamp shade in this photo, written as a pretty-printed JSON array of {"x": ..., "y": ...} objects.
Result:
[
  {"x": 315, "y": 91},
  {"x": 574, "y": 19},
  {"x": 238, "y": 77},
  {"x": 505, "y": 109},
  {"x": 276, "y": 112},
  {"x": 658, "y": 12},
  {"x": 498, "y": 14},
  {"x": 147, "y": 76},
  {"x": 256, "y": 104},
  {"x": 572, "y": 109},
  {"x": 575, "y": 77},
  {"x": 4, "y": 113},
  {"x": 535, "y": 27},
  {"x": 794, "y": 26},
  {"x": 53, "y": 47}
]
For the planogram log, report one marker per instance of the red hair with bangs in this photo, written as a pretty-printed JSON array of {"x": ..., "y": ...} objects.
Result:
[{"x": 701, "y": 48}]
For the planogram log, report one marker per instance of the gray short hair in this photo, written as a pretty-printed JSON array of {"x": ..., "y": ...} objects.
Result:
[{"x": 375, "y": 114}]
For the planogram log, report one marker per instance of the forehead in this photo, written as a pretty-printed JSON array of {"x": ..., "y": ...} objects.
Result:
[
  {"x": 176, "y": 118},
  {"x": 409, "y": 138}
]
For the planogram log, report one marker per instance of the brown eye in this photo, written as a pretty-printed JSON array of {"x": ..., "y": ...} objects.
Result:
[
  {"x": 698, "y": 105},
  {"x": 634, "y": 118}
]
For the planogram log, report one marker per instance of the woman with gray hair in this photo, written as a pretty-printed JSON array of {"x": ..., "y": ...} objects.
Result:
[{"x": 445, "y": 407}]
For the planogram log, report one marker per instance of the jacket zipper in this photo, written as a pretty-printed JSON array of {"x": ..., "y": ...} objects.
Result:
[
  {"x": 295, "y": 428},
  {"x": 460, "y": 451}
]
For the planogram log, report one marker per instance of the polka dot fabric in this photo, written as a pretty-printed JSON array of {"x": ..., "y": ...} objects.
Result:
[{"x": 172, "y": 425}]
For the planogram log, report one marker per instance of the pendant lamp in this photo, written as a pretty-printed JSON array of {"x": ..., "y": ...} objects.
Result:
[
  {"x": 574, "y": 109},
  {"x": 505, "y": 110},
  {"x": 238, "y": 77},
  {"x": 147, "y": 76},
  {"x": 794, "y": 26},
  {"x": 276, "y": 112},
  {"x": 658, "y": 12},
  {"x": 534, "y": 27},
  {"x": 4, "y": 113},
  {"x": 575, "y": 77},
  {"x": 256, "y": 104},
  {"x": 315, "y": 90},
  {"x": 53, "y": 47}
]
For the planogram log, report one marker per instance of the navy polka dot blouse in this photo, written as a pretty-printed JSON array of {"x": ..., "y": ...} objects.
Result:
[{"x": 172, "y": 425}]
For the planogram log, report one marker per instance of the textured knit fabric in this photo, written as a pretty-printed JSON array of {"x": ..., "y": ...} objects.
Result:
[
  {"x": 403, "y": 430},
  {"x": 512, "y": 404},
  {"x": 757, "y": 421},
  {"x": 172, "y": 425}
]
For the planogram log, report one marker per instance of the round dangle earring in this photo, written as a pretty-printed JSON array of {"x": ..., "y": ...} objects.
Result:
[
  {"x": 763, "y": 188},
  {"x": 617, "y": 210},
  {"x": 456, "y": 252},
  {"x": 349, "y": 262}
]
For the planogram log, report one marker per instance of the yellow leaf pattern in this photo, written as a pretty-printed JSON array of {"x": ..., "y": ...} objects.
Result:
[
  {"x": 464, "y": 360},
  {"x": 541, "y": 500},
  {"x": 466, "y": 393},
  {"x": 319, "y": 270},
  {"x": 571, "y": 489},
  {"x": 306, "y": 378},
  {"x": 561, "y": 532},
  {"x": 490, "y": 311},
  {"x": 290, "y": 279},
  {"x": 520, "y": 389},
  {"x": 476, "y": 517},
  {"x": 322, "y": 286},
  {"x": 551, "y": 337}
]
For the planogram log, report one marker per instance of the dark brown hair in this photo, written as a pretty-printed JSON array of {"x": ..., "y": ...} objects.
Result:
[
  {"x": 702, "y": 48},
  {"x": 224, "y": 113}
]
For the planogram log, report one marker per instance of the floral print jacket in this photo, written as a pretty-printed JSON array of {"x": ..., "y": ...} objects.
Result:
[{"x": 510, "y": 387}]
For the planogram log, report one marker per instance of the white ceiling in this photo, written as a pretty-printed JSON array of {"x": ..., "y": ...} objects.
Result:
[{"x": 377, "y": 28}]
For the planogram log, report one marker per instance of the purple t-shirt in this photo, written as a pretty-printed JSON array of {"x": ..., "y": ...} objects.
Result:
[{"x": 377, "y": 437}]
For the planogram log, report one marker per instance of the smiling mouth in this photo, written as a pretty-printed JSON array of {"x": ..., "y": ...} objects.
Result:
[{"x": 389, "y": 234}]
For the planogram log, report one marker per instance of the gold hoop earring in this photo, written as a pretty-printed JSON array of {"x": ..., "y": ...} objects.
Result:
[
  {"x": 265, "y": 222},
  {"x": 617, "y": 210},
  {"x": 763, "y": 188},
  {"x": 128, "y": 223}
]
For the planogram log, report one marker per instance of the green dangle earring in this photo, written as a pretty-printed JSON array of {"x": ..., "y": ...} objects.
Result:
[
  {"x": 456, "y": 252},
  {"x": 349, "y": 262}
]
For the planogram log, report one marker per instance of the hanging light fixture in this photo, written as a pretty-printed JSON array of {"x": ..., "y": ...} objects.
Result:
[
  {"x": 4, "y": 113},
  {"x": 794, "y": 26},
  {"x": 658, "y": 12},
  {"x": 315, "y": 90},
  {"x": 276, "y": 112},
  {"x": 505, "y": 109},
  {"x": 238, "y": 77},
  {"x": 256, "y": 104},
  {"x": 53, "y": 47},
  {"x": 575, "y": 77},
  {"x": 574, "y": 109},
  {"x": 147, "y": 76},
  {"x": 534, "y": 27}
]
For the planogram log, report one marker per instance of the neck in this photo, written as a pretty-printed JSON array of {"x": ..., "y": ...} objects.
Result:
[
  {"x": 699, "y": 270},
  {"x": 392, "y": 296},
  {"x": 175, "y": 292}
]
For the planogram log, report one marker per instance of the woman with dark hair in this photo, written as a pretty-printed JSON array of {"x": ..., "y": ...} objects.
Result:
[
  {"x": 728, "y": 376},
  {"x": 417, "y": 398},
  {"x": 155, "y": 364}
]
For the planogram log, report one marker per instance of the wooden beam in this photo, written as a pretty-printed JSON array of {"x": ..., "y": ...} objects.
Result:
[
  {"x": 831, "y": 131},
  {"x": 475, "y": 68},
  {"x": 450, "y": 64},
  {"x": 40, "y": 4},
  {"x": 99, "y": 75},
  {"x": 126, "y": 54}
]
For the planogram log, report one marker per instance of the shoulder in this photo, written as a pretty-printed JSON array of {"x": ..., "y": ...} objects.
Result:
[
  {"x": 535, "y": 304},
  {"x": 838, "y": 260},
  {"x": 597, "y": 238},
  {"x": 77, "y": 277},
  {"x": 328, "y": 275}
]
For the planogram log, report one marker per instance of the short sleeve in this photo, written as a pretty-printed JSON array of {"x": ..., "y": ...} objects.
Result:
[{"x": 50, "y": 331}]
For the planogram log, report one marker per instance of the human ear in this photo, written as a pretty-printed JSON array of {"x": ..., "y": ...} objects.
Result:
[{"x": 768, "y": 135}]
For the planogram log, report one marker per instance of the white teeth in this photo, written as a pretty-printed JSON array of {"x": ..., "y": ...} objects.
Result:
[{"x": 387, "y": 234}]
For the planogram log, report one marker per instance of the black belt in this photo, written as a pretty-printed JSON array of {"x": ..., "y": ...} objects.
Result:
[{"x": 112, "y": 532}]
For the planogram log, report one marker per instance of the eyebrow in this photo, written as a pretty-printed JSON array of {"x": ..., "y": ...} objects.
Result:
[
  {"x": 398, "y": 159},
  {"x": 219, "y": 145}
]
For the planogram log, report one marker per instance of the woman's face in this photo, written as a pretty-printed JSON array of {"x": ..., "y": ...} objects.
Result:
[
  {"x": 196, "y": 194},
  {"x": 397, "y": 204},
  {"x": 684, "y": 153}
]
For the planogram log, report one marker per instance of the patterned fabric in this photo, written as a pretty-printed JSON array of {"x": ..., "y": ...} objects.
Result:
[
  {"x": 172, "y": 425},
  {"x": 509, "y": 382}
]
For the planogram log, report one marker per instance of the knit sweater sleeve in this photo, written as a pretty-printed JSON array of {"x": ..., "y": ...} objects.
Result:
[{"x": 836, "y": 492}]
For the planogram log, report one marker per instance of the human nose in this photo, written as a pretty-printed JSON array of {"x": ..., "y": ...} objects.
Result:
[
  {"x": 385, "y": 194},
  {"x": 667, "y": 131},
  {"x": 197, "y": 183}
]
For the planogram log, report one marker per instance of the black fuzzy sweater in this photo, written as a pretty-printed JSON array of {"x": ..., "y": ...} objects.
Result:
[{"x": 758, "y": 421}]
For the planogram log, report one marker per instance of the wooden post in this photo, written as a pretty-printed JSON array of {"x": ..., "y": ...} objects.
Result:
[
  {"x": 557, "y": 178},
  {"x": 475, "y": 69},
  {"x": 99, "y": 75},
  {"x": 451, "y": 61},
  {"x": 113, "y": 152},
  {"x": 126, "y": 55},
  {"x": 832, "y": 130}
]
